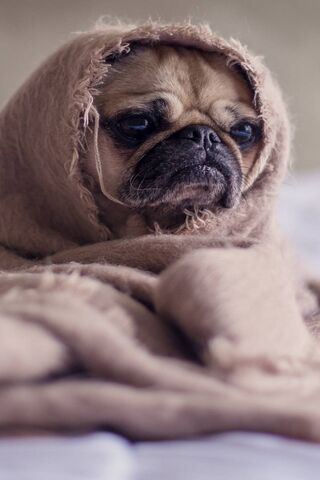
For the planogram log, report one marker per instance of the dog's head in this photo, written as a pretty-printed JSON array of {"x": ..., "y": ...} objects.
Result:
[{"x": 178, "y": 131}]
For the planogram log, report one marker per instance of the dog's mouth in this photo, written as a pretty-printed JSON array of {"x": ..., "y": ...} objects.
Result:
[
  {"x": 195, "y": 185},
  {"x": 177, "y": 174},
  {"x": 191, "y": 173}
]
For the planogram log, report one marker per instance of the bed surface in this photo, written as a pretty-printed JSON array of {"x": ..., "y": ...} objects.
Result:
[
  {"x": 105, "y": 456},
  {"x": 231, "y": 456}
]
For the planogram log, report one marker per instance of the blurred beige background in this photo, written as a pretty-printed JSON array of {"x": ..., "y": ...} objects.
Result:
[{"x": 285, "y": 32}]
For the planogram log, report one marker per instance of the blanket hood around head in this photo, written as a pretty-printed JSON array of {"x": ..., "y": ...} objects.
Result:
[{"x": 44, "y": 205}]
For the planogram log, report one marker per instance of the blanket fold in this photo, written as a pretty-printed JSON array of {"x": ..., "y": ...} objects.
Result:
[{"x": 159, "y": 336}]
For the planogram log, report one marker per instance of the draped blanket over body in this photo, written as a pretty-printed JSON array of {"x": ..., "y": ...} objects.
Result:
[{"x": 158, "y": 336}]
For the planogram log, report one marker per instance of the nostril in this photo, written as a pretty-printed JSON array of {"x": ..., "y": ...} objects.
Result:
[
  {"x": 189, "y": 134},
  {"x": 194, "y": 134},
  {"x": 203, "y": 135},
  {"x": 197, "y": 136},
  {"x": 213, "y": 137}
]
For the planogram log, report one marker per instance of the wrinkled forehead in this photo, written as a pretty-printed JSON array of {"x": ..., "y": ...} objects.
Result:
[{"x": 179, "y": 74}]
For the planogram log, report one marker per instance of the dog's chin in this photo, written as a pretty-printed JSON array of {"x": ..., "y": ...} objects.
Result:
[
  {"x": 193, "y": 187},
  {"x": 189, "y": 188}
]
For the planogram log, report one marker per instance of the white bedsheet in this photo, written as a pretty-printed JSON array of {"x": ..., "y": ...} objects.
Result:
[
  {"x": 105, "y": 456},
  {"x": 232, "y": 456},
  {"x": 299, "y": 215},
  {"x": 90, "y": 457}
]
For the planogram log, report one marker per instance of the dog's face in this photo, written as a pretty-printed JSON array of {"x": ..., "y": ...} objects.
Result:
[{"x": 177, "y": 131}]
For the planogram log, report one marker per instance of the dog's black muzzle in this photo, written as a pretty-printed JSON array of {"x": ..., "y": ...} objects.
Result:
[{"x": 191, "y": 168}]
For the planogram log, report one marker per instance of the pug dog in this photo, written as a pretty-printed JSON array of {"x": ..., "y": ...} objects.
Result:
[{"x": 178, "y": 133}]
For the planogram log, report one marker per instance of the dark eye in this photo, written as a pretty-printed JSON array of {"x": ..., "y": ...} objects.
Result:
[
  {"x": 135, "y": 126},
  {"x": 245, "y": 133}
]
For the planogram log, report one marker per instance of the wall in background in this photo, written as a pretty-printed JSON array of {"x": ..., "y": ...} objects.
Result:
[{"x": 285, "y": 32}]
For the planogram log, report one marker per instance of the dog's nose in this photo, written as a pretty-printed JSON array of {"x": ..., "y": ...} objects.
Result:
[{"x": 203, "y": 135}]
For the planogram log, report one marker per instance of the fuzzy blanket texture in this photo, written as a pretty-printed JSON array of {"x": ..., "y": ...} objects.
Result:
[{"x": 160, "y": 336}]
